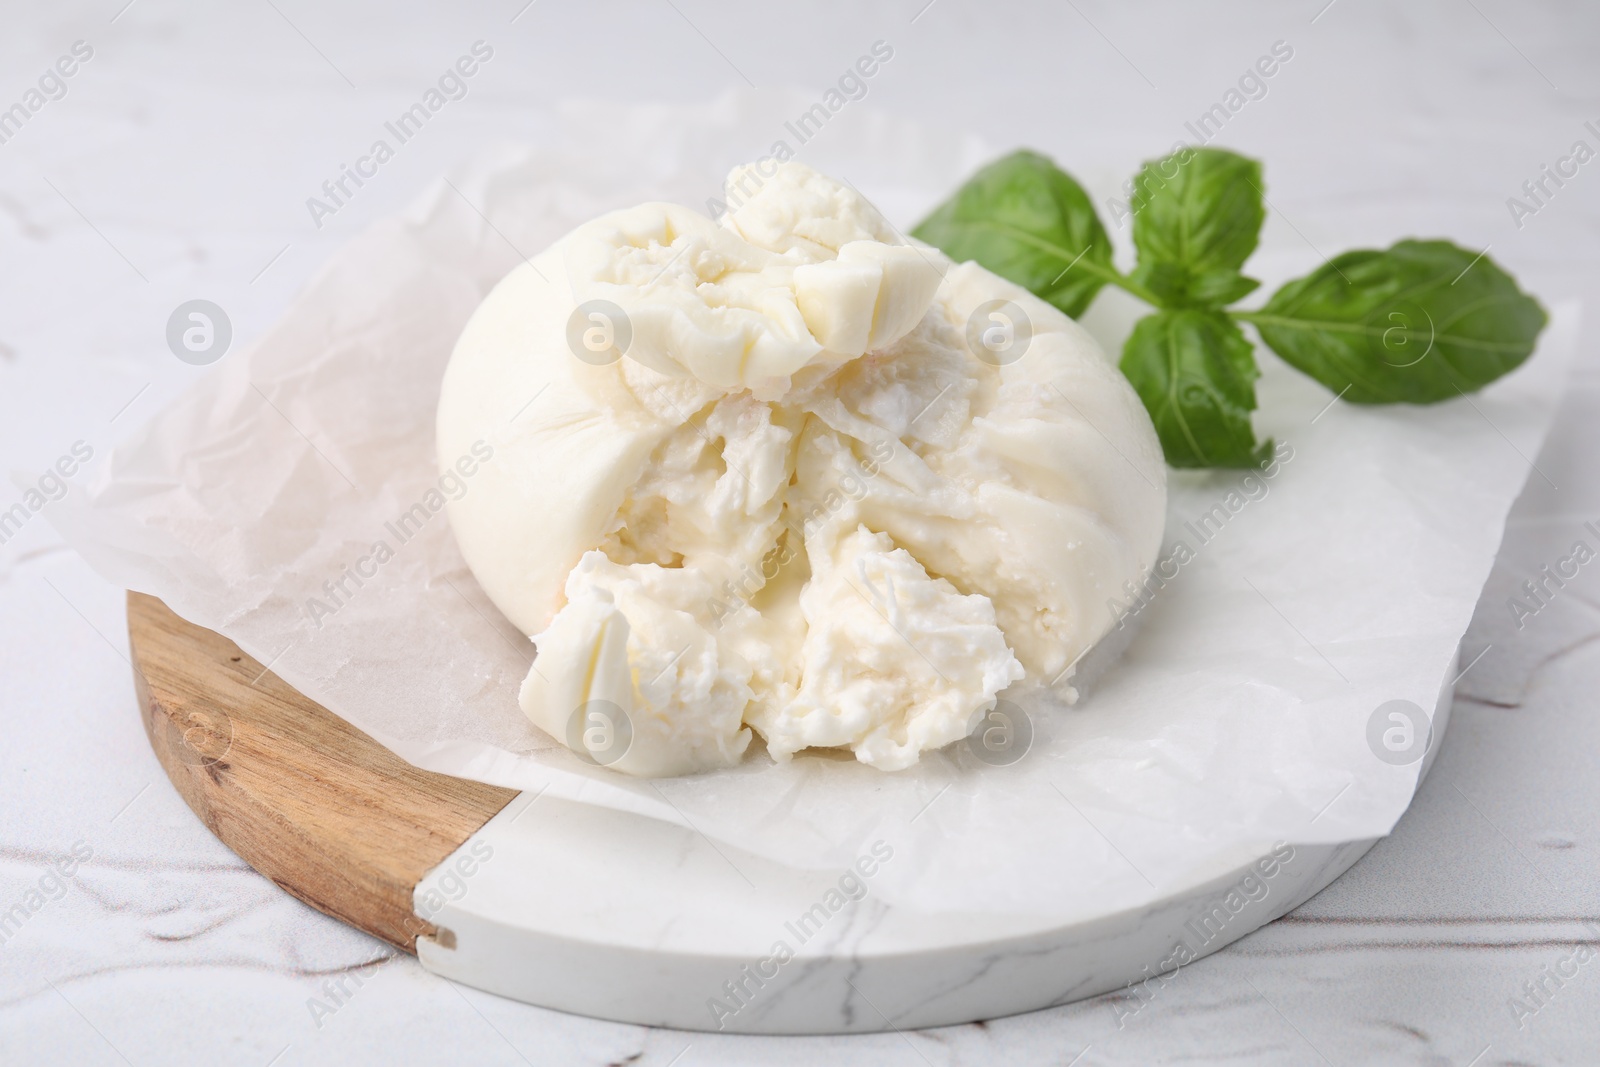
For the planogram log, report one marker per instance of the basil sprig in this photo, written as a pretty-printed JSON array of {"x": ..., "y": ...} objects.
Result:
[{"x": 1420, "y": 322}]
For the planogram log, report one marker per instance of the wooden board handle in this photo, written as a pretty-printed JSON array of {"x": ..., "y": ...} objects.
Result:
[{"x": 302, "y": 796}]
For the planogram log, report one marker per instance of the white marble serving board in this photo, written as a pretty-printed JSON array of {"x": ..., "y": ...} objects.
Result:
[{"x": 621, "y": 917}]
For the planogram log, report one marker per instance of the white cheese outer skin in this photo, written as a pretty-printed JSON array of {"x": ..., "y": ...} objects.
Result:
[{"x": 800, "y": 504}]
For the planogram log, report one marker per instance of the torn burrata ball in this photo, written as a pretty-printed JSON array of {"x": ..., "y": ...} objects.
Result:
[{"x": 789, "y": 472}]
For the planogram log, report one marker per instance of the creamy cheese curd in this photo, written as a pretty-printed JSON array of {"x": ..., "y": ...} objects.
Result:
[{"x": 801, "y": 504}]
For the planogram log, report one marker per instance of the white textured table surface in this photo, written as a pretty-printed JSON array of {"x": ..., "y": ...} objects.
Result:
[{"x": 177, "y": 165}]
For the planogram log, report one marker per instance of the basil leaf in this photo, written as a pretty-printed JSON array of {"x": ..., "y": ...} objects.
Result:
[
  {"x": 1027, "y": 220},
  {"x": 1195, "y": 371},
  {"x": 1422, "y": 322},
  {"x": 1197, "y": 216}
]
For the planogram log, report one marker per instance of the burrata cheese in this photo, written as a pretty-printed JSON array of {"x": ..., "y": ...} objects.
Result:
[{"x": 789, "y": 472}]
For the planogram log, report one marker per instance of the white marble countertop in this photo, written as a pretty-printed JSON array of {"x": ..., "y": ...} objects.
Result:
[{"x": 177, "y": 165}]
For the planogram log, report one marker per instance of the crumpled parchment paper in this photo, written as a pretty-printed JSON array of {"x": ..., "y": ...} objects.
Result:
[{"x": 1237, "y": 716}]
